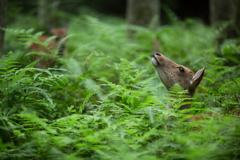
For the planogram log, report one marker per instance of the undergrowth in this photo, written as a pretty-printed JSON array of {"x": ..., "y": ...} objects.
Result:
[{"x": 107, "y": 102}]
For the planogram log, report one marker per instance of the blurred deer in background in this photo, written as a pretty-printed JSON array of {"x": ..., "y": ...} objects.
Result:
[
  {"x": 171, "y": 73},
  {"x": 60, "y": 33}
]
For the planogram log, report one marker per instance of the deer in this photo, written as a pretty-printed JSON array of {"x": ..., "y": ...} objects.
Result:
[
  {"x": 171, "y": 73},
  {"x": 60, "y": 33}
]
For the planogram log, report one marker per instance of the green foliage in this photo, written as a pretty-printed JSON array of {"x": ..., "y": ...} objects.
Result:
[
  {"x": 178, "y": 97},
  {"x": 107, "y": 102}
]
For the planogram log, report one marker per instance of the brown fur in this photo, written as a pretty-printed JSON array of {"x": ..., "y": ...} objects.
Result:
[
  {"x": 60, "y": 33},
  {"x": 170, "y": 74}
]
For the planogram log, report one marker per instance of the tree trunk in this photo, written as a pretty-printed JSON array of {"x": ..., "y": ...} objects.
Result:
[
  {"x": 42, "y": 12},
  {"x": 226, "y": 10},
  {"x": 47, "y": 12},
  {"x": 3, "y": 17},
  {"x": 236, "y": 16},
  {"x": 220, "y": 10},
  {"x": 54, "y": 19},
  {"x": 142, "y": 12}
]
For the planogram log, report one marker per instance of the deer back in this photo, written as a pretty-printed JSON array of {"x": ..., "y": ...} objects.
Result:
[{"x": 60, "y": 33}]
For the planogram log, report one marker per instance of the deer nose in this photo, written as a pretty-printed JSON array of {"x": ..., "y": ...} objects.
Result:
[{"x": 155, "y": 54}]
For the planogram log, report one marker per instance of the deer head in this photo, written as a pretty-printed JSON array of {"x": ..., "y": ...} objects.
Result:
[
  {"x": 170, "y": 73},
  {"x": 60, "y": 33}
]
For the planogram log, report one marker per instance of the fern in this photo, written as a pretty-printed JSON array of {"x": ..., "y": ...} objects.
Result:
[{"x": 109, "y": 103}]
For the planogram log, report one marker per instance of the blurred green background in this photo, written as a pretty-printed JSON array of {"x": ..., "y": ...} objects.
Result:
[{"x": 104, "y": 99}]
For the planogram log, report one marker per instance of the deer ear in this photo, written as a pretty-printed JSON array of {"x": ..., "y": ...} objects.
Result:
[{"x": 197, "y": 78}]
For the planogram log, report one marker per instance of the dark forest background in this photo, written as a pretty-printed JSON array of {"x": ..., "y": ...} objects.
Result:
[{"x": 182, "y": 8}]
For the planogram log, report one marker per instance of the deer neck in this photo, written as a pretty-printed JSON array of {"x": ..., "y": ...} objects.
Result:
[{"x": 186, "y": 106}]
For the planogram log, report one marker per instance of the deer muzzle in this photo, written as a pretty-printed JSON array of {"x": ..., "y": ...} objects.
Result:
[{"x": 154, "y": 59}]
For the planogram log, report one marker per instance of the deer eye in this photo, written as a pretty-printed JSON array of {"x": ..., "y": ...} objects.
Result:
[{"x": 181, "y": 69}]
